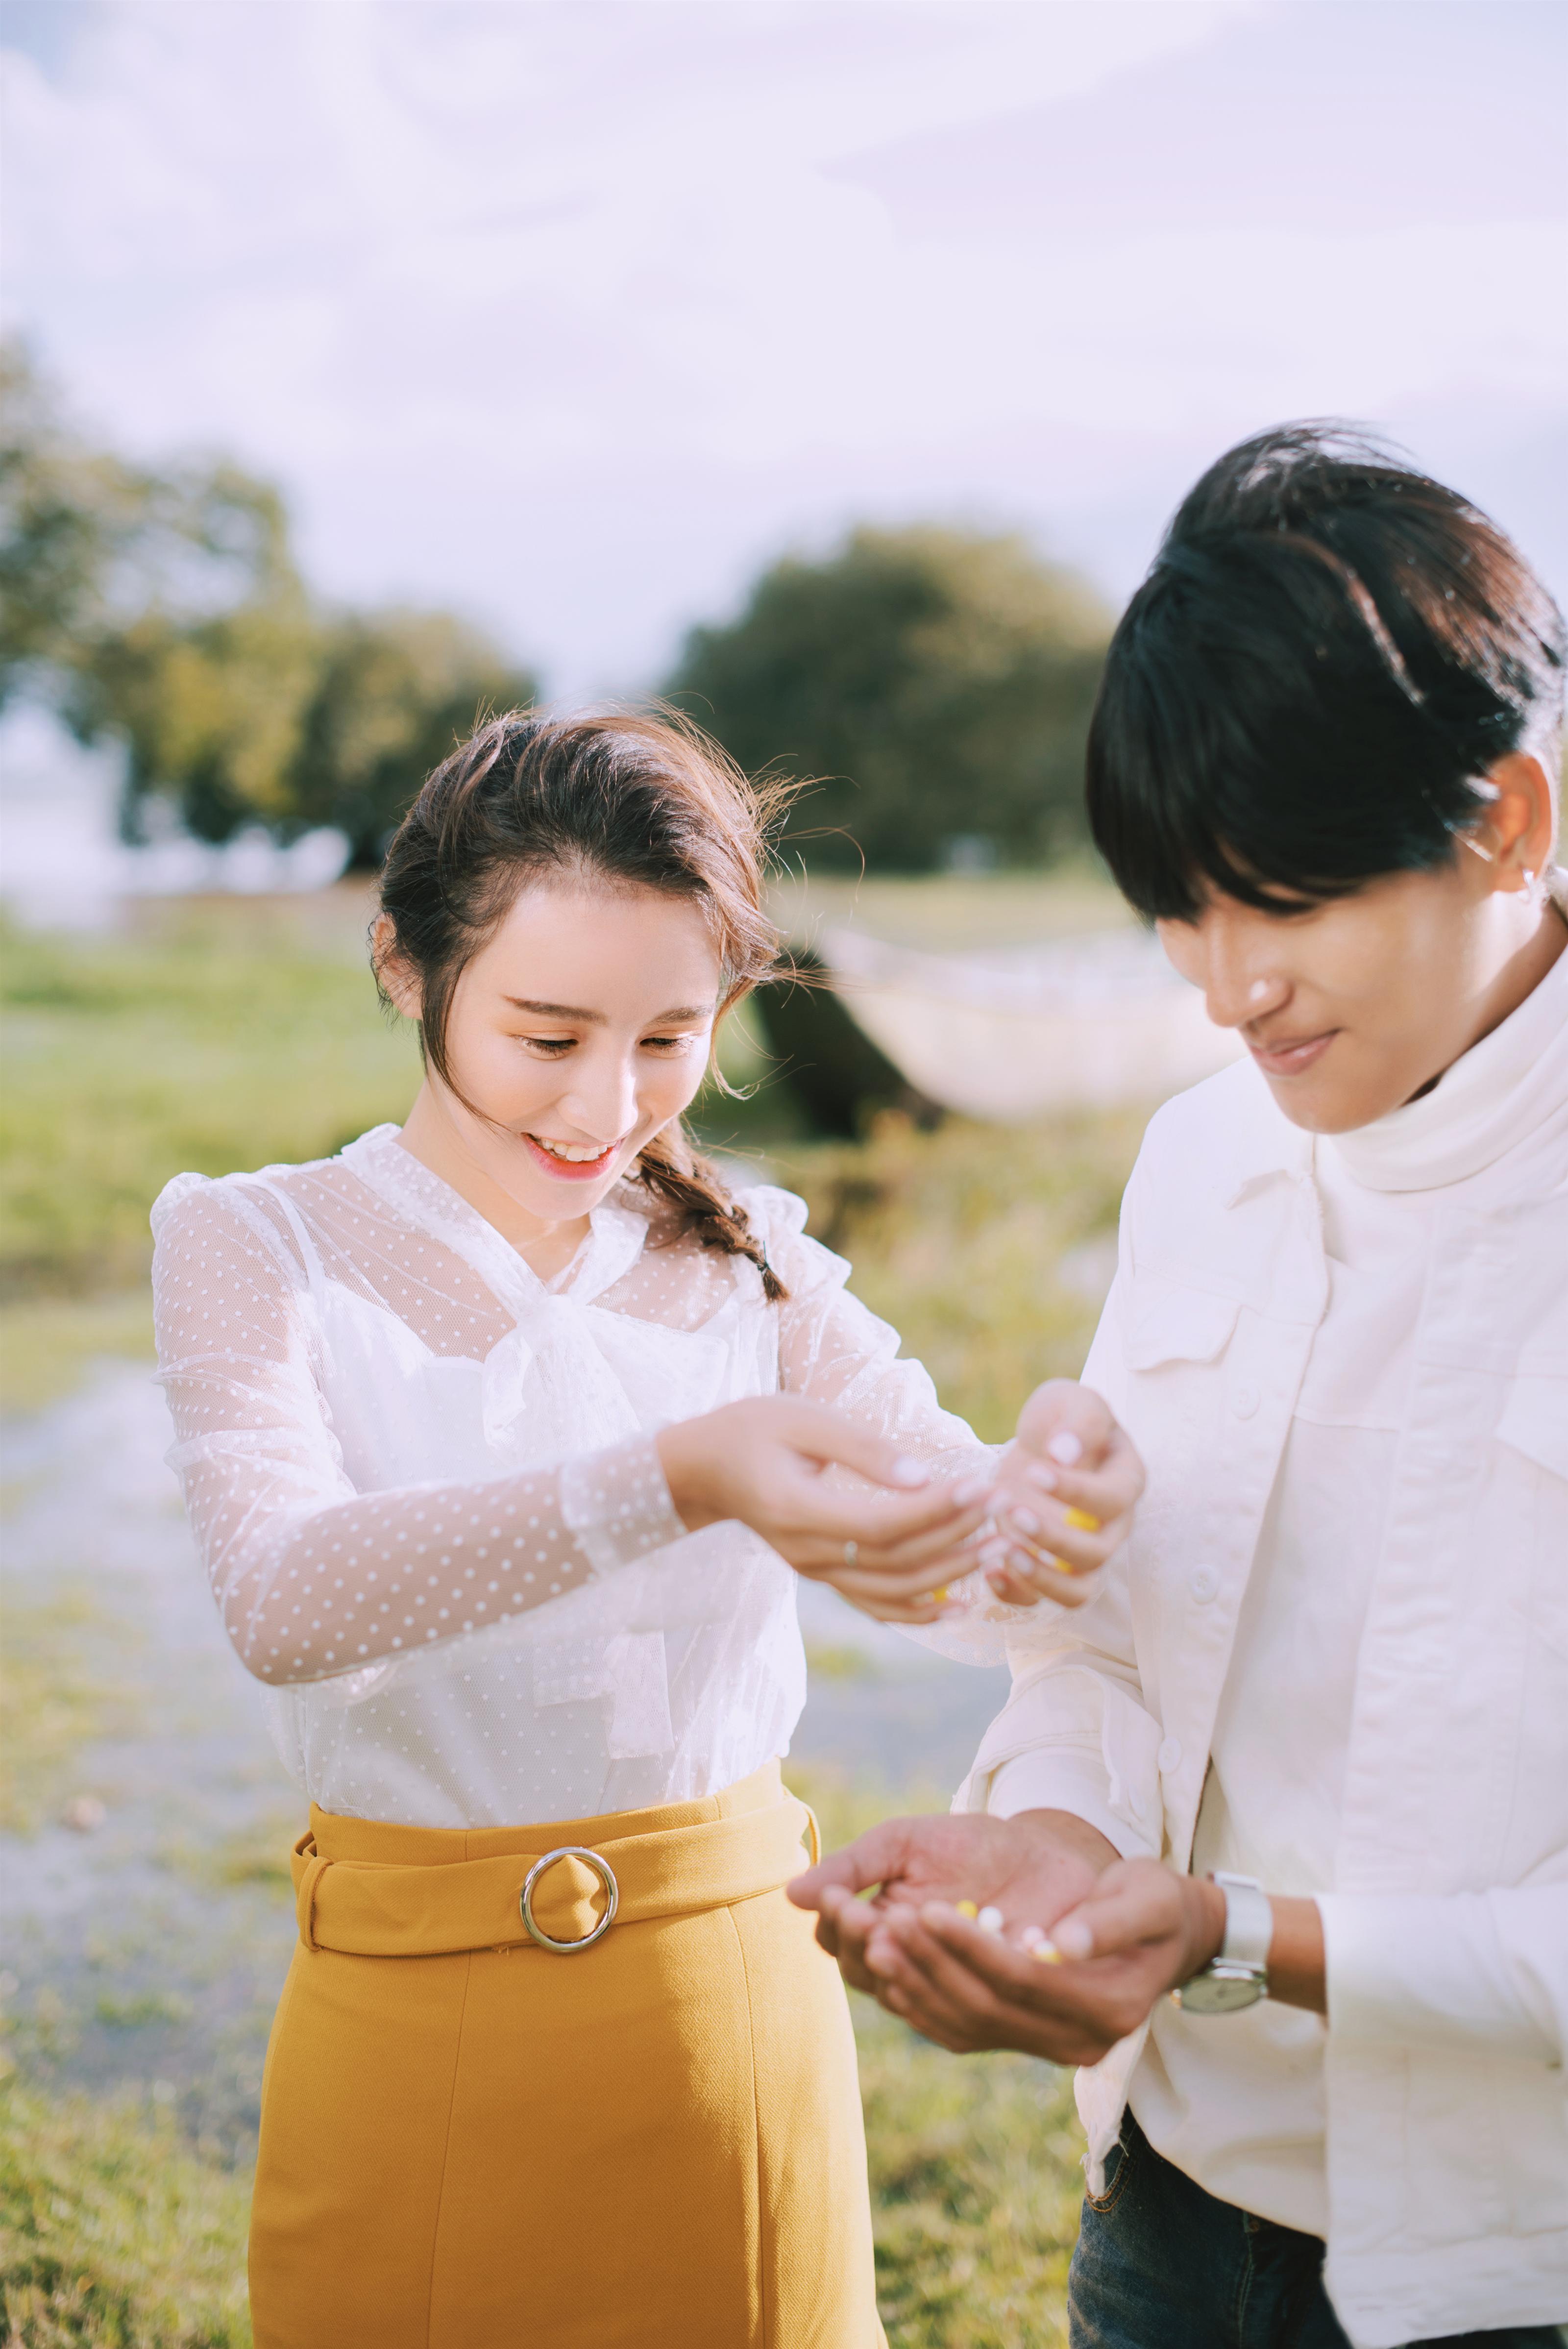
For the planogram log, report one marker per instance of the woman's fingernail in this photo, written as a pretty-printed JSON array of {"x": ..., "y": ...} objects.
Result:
[
  {"x": 937, "y": 1597},
  {"x": 1023, "y": 1560},
  {"x": 1082, "y": 1521},
  {"x": 972, "y": 1489},
  {"x": 1047, "y": 1952},
  {"x": 1074, "y": 1939},
  {"x": 989, "y": 1919},
  {"x": 1066, "y": 1447},
  {"x": 1026, "y": 1521},
  {"x": 1030, "y": 1938},
  {"x": 1044, "y": 1480},
  {"x": 909, "y": 1472}
]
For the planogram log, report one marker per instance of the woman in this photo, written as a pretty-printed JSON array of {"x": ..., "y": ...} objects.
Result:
[{"x": 501, "y": 1434}]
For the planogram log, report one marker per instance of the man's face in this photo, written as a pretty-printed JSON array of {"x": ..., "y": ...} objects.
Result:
[{"x": 1351, "y": 1007}]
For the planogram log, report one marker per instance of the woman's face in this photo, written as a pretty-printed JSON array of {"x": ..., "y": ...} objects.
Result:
[
  {"x": 1353, "y": 1006},
  {"x": 579, "y": 1030}
]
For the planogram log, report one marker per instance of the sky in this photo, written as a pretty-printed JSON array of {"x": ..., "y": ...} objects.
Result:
[{"x": 570, "y": 315}]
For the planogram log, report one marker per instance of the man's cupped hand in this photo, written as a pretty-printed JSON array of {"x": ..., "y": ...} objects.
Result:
[{"x": 1087, "y": 1943}]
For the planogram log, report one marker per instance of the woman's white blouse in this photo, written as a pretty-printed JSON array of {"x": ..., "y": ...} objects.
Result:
[{"x": 425, "y": 1489}]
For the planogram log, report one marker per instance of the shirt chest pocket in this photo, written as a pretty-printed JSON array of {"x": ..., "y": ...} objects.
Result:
[{"x": 1179, "y": 1349}]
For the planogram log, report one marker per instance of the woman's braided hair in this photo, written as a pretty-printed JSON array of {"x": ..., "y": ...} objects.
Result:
[{"x": 639, "y": 802}]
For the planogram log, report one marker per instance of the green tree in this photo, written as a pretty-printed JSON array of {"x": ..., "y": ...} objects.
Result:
[
  {"x": 163, "y": 608},
  {"x": 67, "y": 515},
  {"x": 211, "y": 711},
  {"x": 393, "y": 692},
  {"x": 940, "y": 682},
  {"x": 90, "y": 544}
]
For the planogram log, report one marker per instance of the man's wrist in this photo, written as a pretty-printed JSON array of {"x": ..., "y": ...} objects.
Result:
[
  {"x": 1207, "y": 1915},
  {"x": 1066, "y": 1830}
]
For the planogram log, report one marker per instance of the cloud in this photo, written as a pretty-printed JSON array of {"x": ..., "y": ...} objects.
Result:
[{"x": 570, "y": 313}]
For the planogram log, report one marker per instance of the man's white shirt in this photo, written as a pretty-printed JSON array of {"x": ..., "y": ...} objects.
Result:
[{"x": 1334, "y": 1655}]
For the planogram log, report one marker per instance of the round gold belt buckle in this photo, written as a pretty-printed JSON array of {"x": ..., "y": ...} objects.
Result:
[{"x": 606, "y": 1875}]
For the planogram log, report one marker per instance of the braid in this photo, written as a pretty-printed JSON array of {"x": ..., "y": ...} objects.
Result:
[{"x": 670, "y": 1168}]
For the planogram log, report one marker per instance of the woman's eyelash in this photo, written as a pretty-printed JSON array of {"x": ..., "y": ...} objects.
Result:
[{"x": 556, "y": 1045}]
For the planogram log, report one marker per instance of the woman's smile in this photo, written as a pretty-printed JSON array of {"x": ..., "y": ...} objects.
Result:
[{"x": 572, "y": 1161}]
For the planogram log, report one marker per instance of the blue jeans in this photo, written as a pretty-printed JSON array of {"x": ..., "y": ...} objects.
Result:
[{"x": 1161, "y": 2264}]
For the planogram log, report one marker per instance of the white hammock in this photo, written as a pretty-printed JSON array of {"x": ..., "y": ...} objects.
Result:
[{"x": 1084, "y": 1022}]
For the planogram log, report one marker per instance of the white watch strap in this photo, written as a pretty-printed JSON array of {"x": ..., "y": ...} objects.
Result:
[{"x": 1249, "y": 1920}]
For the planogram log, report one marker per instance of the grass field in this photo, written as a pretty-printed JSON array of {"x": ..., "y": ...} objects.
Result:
[
  {"x": 231, "y": 1038},
  {"x": 239, "y": 1036}
]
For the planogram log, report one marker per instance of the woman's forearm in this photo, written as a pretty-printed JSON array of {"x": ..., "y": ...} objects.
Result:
[{"x": 387, "y": 1573}]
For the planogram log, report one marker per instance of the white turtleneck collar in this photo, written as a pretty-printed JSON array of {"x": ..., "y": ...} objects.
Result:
[{"x": 1493, "y": 1097}]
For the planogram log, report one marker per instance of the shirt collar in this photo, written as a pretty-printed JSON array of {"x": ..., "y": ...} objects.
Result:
[
  {"x": 1494, "y": 1096},
  {"x": 617, "y": 1228},
  {"x": 1492, "y": 1099}
]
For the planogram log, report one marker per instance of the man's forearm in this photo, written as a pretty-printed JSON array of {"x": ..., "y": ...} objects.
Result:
[{"x": 1297, "y": 1975}]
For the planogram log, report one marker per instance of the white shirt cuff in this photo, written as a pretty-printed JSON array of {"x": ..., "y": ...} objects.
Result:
[
  {"x": 618, "y": 1504},
  {"x": 1471, "y": 1972},
  {"x": 1057, "y": 1779}
]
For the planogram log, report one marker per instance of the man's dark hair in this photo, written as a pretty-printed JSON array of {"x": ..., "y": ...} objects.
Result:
[{"x": 1329, "y": 652}]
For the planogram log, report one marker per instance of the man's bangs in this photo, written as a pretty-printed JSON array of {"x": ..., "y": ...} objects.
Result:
[{"x": 1185, "y": 802}]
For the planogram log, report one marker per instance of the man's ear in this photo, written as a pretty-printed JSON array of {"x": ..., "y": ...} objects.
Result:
[
  {"x": 1518, "y": 831},
  {"x": 397, "y": 983}
]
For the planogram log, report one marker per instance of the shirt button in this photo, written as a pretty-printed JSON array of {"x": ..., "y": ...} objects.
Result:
[
  {"x": 1169, "y": 1756},
  {"x": 1244, "y": 1401},
  {"x": 1203, "y": 1584}
]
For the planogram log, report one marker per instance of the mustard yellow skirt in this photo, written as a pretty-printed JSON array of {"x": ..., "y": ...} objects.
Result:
[{"x": 472, "y": 2141}]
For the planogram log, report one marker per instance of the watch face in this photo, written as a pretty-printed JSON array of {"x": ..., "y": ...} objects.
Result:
[{"x": 1210, "y": 1993}]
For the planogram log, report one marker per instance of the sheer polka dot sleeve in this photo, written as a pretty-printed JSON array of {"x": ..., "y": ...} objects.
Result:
[
  {"x": 314, "y": 1577},
  {"x": 834, "y": 1349}
]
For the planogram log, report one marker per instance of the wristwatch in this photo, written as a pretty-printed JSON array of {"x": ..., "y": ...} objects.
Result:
[{"x": 1238, "y": 1976}]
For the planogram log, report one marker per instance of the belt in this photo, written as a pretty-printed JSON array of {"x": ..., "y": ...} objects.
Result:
[{"x": 562, "y": 1899}]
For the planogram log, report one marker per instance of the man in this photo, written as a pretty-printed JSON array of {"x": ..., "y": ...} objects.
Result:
[{"x": 1302, "y": 1756}]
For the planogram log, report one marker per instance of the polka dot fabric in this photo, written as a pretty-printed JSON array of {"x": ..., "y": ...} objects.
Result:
[{"x": 425, "y": 1489}]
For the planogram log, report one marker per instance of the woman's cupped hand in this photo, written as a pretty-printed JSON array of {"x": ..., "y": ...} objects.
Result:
[
  {"x": 889, "y": 1537},
  {"x": 1067, "y": 1488}
]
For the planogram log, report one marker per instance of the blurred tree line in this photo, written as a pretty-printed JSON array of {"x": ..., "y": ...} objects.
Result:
[
  {"x": 936, "y": 683},
  {"x": 162, "y": 606}
]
